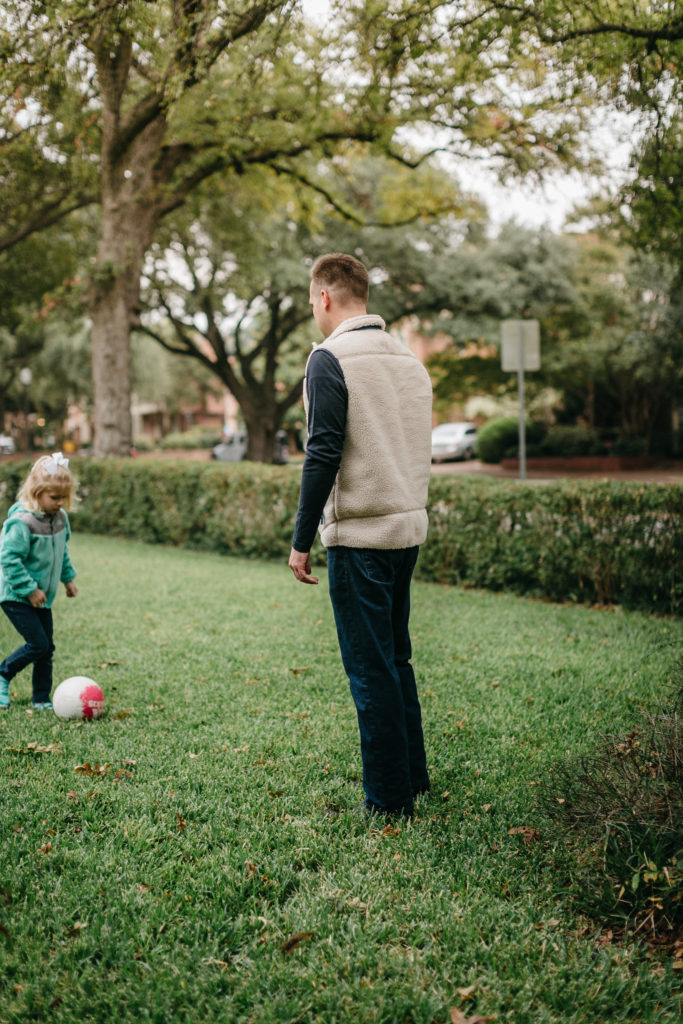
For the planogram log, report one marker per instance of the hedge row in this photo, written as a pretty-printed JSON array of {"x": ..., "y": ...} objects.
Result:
[
  {"x": 581, "y": 541},
  {"x": 595, "y": 542}
]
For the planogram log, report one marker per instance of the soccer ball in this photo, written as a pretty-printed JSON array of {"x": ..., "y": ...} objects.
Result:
[{"x": 78, "y": 697}]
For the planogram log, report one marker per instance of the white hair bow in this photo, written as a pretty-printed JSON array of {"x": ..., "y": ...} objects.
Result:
[{"x": 55, "y": 462}]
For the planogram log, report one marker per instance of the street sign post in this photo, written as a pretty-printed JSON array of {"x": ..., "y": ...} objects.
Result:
[{"x": 520, "y": 350}]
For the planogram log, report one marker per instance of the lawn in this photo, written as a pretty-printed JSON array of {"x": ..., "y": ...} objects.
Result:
[{"x": 177, "y": 859}]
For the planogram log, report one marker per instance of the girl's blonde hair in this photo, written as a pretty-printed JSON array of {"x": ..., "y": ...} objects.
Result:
[{"x": 49, "y": 471}]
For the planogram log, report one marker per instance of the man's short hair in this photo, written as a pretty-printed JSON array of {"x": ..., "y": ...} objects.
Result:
[{"x": 344, "y": 273}]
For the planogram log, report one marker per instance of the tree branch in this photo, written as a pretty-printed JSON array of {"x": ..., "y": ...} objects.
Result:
[
  {"x": 669, "y": 31},
  {"x": 45, "y": 217}
]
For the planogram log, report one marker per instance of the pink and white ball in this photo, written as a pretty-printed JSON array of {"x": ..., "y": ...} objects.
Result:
[{"x": 78, "y": 697}]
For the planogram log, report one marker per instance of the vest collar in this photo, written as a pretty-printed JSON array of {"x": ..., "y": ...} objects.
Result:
[{"x": 357, "y": 323}]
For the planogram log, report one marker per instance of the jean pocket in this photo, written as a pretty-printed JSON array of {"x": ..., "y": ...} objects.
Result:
[{"x": 377, "y": 565}]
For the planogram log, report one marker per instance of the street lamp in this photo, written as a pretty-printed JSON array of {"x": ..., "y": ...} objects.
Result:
[{"x": 25, "y": 377}]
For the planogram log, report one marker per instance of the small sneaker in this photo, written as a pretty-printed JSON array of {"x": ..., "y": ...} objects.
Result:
[
  {"x": 4, "y": 692},
  {"x": 41, "y": 705}
]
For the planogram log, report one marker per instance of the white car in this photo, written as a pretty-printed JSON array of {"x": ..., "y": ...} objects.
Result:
[
  {"x": 7, "y": 445},
  {"x": 454, "y": 441}
]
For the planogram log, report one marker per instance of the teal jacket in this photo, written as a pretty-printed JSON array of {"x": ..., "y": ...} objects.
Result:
[{"x": 34, "y": 554}]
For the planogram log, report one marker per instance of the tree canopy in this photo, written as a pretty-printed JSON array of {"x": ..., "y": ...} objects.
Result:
[
  {"x": 134, "y": 104},
  {"x": 131, "y": 107}
]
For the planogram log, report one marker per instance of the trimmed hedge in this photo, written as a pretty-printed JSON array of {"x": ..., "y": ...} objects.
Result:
[
  {"x": 596, "y": 542},
  {"x": 606, "y": 542}
]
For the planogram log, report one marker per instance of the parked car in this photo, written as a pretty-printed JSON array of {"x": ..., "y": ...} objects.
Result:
[
  {"x": 7, "y": 445},
  {"x": 234, "y": 448},
  {"x": 454, "y": 441}
]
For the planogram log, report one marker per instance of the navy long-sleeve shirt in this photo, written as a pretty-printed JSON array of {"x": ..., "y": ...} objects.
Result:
[{"x": 327, "y": 406}]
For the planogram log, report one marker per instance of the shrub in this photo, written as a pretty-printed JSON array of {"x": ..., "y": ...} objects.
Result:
[
  {"x": 582, "y": 541},
  {"x": 568, "y": 440},
  {"x": 499, "y": 439},
  {"x": 195, "y": 437},
  {"x": 622, "y": 811},
  {"x": 630, "y": 446},
  {"x": 586, "y": 541},
  {"x": 143, "y": 443}
]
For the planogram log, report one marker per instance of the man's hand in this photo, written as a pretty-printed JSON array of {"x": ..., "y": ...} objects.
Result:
[
  {"x": 37, "y": 598},
  {"x": 71, "y": 589},
  {"x": 300, "y": 564}
]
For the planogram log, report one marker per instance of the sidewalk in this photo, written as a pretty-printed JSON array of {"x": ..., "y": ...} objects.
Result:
[{"x": 666, "y": 473}]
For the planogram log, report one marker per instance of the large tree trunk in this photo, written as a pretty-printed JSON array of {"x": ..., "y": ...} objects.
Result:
[
  {"x": 262, "y": 425},
  {"x": 111, "y": 366},
  {"x": 129, "y": 217},
  {"x": 130, "y": 147}
]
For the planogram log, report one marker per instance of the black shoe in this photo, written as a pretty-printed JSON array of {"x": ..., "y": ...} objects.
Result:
[{"x": 391, "y": 814}]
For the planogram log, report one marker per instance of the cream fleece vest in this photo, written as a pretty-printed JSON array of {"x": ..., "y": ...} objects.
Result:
[{"x": 379, "y": 496}]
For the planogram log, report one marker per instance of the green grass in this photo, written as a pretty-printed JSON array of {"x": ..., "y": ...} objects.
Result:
[{"x": 165, "y": 884}]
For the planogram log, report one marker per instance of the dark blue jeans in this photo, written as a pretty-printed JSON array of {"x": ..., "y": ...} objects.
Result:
[
  {"x": 35, "y": 625},
  {"x": 370, "y": 593}
]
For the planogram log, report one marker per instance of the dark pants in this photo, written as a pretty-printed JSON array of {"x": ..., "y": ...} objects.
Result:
[
  {"x": 35, "y": 625},
  {"x": 370, "y": 593}
]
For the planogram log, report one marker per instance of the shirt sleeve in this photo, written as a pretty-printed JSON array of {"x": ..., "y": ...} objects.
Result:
[
  {"x": 327, "y": 405},
  {"x": 16, "y": 546},
  {"x": 68, "y": 572}
]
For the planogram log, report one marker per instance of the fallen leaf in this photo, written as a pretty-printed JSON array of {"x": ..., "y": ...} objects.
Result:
[
  {"x": 182, "y": 824},
  {"x": 298, "y": 671},
  {"x": 45, "y": 848},
  {"x": 528, "y": 834},
  {"x": 71, "y": 795},
  {"x": 295, "y": 940},
  {"x": 34, "y": 748},
  {"x": 465, "y": 993},
  {"x": 212, "y": 962},
  {"x": 96, "y": 769},
  {"x": 458, "y": 1017},
  {"x": 194, "y": 756}
]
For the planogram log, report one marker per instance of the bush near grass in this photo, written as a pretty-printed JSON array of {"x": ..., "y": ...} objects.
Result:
[
  {"x": 598, "y": 542},
  {"x": 606, "y": 542},
  {"x": 621, "y": 809}
]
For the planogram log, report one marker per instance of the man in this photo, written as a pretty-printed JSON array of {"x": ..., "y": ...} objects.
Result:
[{"x": 364, "y": 486}]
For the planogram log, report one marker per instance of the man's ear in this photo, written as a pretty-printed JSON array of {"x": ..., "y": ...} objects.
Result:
[{"x": 325, "y": 296}]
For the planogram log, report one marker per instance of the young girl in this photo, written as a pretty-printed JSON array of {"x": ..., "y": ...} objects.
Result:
[{"x": 34, "y": 558}]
